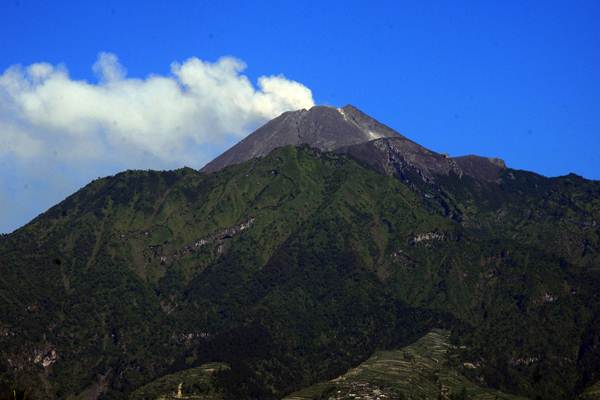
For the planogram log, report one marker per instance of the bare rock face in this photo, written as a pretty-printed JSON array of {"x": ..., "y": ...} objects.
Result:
[
  {"x": 349, "y": 131},
  {"x": 398, "y": 156},
  {"x": 483, "y": 168},
  {"x": 394, "y": 156},
  {"x": 324, "y": 128}
]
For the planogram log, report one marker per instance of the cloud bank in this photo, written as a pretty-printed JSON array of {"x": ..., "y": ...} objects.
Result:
[
  {"x": 53, "y": 127},
  {"x": 199, "y": 103}
]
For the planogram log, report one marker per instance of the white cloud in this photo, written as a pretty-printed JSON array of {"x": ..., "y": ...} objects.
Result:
[
  {"x": 51, "y": 122},
  {"x": 198, "y": 103}
]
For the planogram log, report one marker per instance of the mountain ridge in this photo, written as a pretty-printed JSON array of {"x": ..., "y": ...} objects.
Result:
[
  {"x": 294, "y": 267},
  {"x": 322, "y": 127},
  {"x": 348, "y": 130}
]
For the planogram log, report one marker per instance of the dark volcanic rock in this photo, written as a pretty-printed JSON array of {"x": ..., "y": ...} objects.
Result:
[
  {"x": 393, "y": 156},
  {"x": 349, "y": 131},
  {"x": 325, "y": 128},
  {"x": 482, "y": 168},
  {"x": 398, "y": 155}
]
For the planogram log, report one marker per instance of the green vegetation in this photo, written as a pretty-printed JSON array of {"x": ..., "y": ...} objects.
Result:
[
  {"x": 193, "y": 384},
  {"x": 591, "y": 393},
  {"x": 427, "y": 369},
  {"x": 296, "y": 267}
]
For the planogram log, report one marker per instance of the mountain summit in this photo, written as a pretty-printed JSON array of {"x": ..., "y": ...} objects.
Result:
[
  {"x": 348, "y": 130},
  {"x": 321, "y": 127}
]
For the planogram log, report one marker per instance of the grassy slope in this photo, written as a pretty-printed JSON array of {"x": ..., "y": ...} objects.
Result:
[
  {"x": 193, "y": 384},
  {"x": 423, "y": 370},
  {"x": 328, "y": 272},
  {"x": 591, "y": 393}
]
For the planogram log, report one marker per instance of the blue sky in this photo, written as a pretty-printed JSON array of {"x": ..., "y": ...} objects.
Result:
[{"x": 513, "y": 79}]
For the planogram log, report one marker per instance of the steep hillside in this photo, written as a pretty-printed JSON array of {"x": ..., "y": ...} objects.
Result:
[
  {"x": 140, "y": 273},
  {"x": 293, "y": 268},
  {"x": 426, "y": 369}
]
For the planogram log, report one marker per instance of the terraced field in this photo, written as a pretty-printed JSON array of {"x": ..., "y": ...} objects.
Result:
[
  {"x": 591, "y": 393},
  {"x": 423, "y": 370},
  {"x": 191, "y": 384}
]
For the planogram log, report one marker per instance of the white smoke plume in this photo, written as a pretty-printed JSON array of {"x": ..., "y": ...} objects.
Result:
[{"x": 54, "y": 128}]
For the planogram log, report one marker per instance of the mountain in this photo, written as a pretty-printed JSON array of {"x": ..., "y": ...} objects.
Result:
[
  {"x": 321, "y": 127},
  {"x": 293, "y": 267},
  {"x": 348, "y": 130}
]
